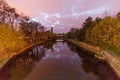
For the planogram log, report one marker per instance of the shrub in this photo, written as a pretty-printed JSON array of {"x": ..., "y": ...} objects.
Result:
[{"x": 11, "y": 40}]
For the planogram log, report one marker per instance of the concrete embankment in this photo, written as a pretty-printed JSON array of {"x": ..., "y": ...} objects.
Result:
[{"x": 112, "y": 60}]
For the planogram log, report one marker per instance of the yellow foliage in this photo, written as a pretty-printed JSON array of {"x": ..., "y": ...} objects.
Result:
[
  {"x": 107, "y": 32},
  {"x": 11, "y": 40}
]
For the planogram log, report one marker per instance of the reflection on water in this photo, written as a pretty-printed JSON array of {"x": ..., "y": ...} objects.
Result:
[
  {"x": 18, "y": 67},
  {"x": 56, "y": 61}
]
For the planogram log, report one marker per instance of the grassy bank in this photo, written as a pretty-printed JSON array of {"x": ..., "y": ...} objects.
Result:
[{"x": 11, "y": 42}]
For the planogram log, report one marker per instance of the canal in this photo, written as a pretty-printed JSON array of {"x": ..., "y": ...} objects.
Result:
[{"x": 56, "y": 61}]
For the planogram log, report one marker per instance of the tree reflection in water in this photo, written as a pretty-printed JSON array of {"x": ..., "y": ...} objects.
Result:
[
  {"x": 92, "y": 65},
  {"x": 65, "y": 61},
  {"x": 18, "y": 67}
]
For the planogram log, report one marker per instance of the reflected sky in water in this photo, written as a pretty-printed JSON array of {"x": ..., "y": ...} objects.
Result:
[
  {"x": 56, "y": 61},
  {"x": 60, "y": 63},
  {"x": 59, "y": 51}
]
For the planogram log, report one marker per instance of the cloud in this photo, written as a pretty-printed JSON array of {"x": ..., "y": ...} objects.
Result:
[{"x": 64, "y": 14}]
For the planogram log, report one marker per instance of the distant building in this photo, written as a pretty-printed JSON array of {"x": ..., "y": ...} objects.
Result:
[{"x": 51, "y": 29}]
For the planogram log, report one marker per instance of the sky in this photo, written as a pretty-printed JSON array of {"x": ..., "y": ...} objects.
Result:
[{"x": 64, "y": 14}]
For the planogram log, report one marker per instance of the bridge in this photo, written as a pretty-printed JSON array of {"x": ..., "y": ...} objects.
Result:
[{"x": 60, "y": 36}]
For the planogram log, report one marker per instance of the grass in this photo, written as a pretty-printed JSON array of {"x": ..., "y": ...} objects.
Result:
[{"x": 115, "y": 50}]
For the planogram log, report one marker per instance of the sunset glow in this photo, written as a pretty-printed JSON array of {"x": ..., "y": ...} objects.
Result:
[{"x": 64, "y": 14}]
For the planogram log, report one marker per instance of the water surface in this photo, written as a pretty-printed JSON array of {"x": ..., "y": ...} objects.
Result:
[{"x": 56, "y": 61}]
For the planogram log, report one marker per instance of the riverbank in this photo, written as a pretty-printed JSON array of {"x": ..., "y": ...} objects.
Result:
[
  {"x": 112, "y": 60},
  {"x": 6, "y": 58}
]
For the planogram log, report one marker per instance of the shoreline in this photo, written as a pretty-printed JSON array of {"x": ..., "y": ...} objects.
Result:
[
  {"x": 2, "y": 63},
  {"x": 100, "y": 54}
]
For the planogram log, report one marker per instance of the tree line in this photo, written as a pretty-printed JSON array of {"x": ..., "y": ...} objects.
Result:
[
  {"x": 18, "y": 30},
  {"x": 9, "y": 16},
  {"x": 103, "y": 32}
]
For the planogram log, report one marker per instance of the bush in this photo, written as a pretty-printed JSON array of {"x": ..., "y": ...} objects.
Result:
[{"x": 11, "y": 40}]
